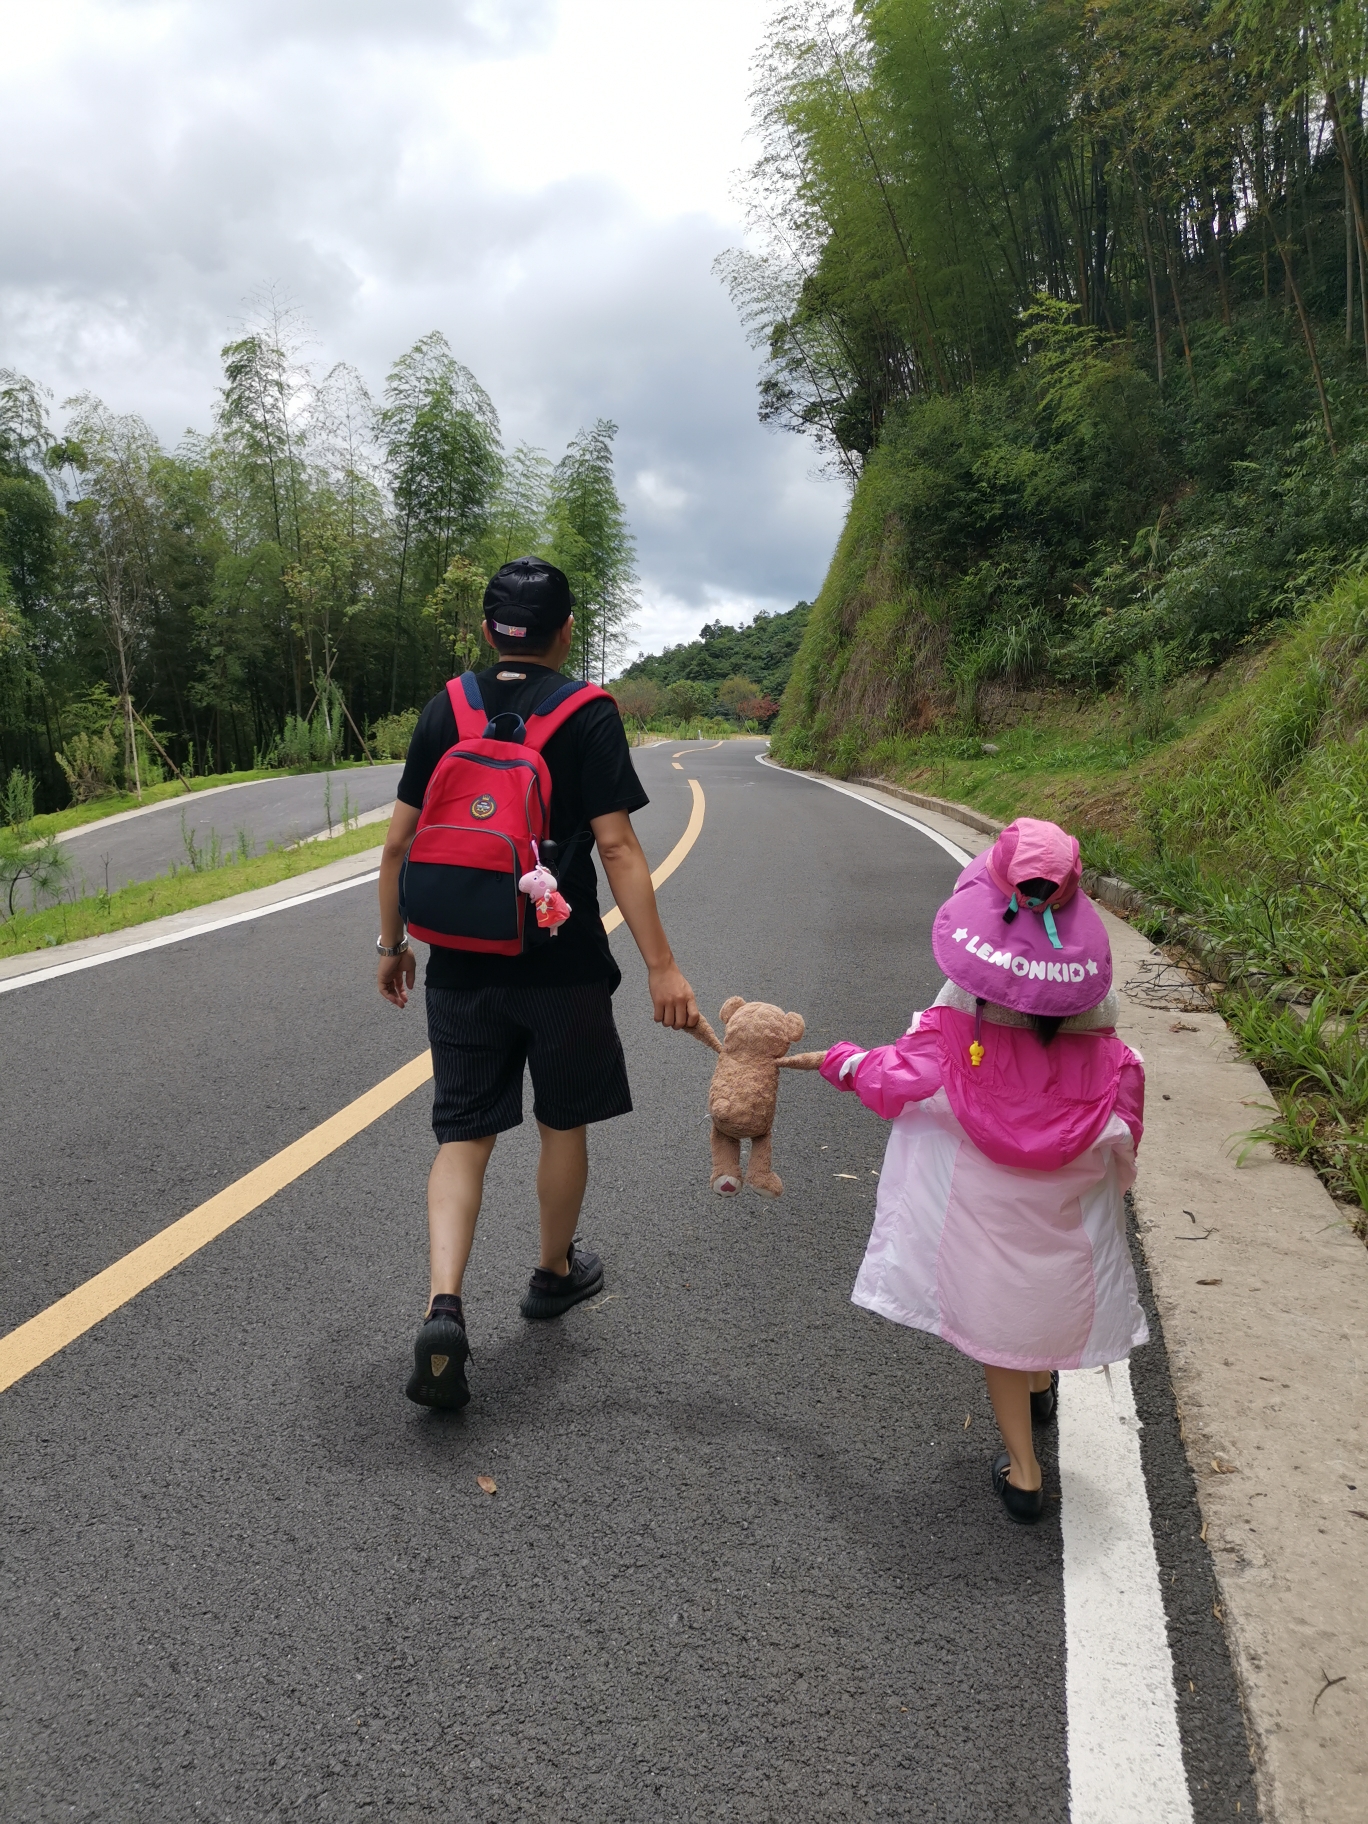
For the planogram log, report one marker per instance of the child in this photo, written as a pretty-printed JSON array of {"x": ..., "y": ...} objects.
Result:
[
  {"x": 549, "y": 1009},
  {"x": 1000, "y": 1223}
]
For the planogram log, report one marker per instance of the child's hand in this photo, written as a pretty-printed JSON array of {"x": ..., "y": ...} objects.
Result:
[{"x": 840, "y": 1064}]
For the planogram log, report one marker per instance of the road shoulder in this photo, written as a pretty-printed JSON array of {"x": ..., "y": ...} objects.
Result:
[{"x": 1270, "y": 1370}]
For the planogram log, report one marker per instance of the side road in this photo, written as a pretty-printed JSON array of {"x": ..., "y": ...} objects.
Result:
[
  {"x": 1263, "y": 1294},
  {"x": 152, "y": 935}
]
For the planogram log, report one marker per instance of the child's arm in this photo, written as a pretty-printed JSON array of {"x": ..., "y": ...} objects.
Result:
[
  {"x": 1130, "y": 1095},
  {"x": 889, "y": 1077}
]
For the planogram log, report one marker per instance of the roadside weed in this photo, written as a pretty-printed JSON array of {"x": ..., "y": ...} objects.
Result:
[{"x": 1315, "y": 1062}]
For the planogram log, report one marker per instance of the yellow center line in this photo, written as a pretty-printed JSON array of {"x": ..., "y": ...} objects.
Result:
[{"x": 32, "y": 1343}]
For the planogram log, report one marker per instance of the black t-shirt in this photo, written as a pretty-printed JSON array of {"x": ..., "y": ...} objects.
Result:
[{"x": 591, "y": 774}]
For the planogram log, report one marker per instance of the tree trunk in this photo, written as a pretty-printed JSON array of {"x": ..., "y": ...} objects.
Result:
[
  {"x": 1353, "y": 200},
  {"x": 1348, "y": 266},
  {"x": 1143, "y": 213},
  {"x": 1308, "y": 334}
]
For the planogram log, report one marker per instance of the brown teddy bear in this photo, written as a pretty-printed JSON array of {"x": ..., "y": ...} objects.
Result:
[{"x": 745, "y": 1089}]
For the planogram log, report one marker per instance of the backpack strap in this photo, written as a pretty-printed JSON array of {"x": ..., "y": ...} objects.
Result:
[
  {"x": 558, "y": 708},
  {"x": 467, "y": 705}
]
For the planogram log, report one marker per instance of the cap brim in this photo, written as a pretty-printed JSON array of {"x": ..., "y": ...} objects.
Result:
[{"x": 1014, "y": 964}]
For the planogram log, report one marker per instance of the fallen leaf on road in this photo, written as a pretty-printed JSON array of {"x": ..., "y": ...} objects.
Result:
[
  {"x": 1223, "y": 1469},
  {"x": 968, "y": 1420},
  {"x": 1358, "y": 1513},
  {"x": 1182, "y": 1026},
  {"x": 1203, "y": 1532},
  {"x": 1208, "y": 1282},
  {"x": 488, "y": 1484},
  {"x": 845, "y": 1174}
]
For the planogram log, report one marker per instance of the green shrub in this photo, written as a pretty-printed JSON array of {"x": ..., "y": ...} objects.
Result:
[
  {"x": 90, "y": 762},
  {"x": 390, "y": 736}
]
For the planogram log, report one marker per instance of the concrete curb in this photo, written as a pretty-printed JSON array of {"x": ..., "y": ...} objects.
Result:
[{"x": 1266, "y": 1325}]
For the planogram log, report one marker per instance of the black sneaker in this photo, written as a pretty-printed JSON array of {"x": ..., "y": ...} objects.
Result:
[
  {"x": 549, "y": 1294},
  {"x": 439, "y": 1358},
  {"x": 1045, "y": 1404},
  {"x": 1025, "y": 1505}
]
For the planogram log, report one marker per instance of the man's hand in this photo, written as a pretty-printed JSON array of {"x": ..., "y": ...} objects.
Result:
[
  {"x": 671, "y": 996},
  {"x": 395, "y": 977}
]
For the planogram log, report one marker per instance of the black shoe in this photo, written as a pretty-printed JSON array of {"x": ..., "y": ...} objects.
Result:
[
  {"x": 439, "y": 1358},
  {"x": 549, "y": 1294},
  {"x": 1045, "y": 1404},
  {"x": 1023, "y": 1504}
]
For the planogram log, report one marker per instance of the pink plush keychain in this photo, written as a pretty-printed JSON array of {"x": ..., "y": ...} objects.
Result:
[{"x": 540, "y": 886}]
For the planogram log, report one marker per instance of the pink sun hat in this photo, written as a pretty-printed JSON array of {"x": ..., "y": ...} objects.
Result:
[{"x": 1039, "y": 952}]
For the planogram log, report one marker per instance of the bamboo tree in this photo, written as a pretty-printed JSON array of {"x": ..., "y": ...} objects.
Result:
[
  {"x": 440, "y": 435},
  {"x": 592, "y": 544}
]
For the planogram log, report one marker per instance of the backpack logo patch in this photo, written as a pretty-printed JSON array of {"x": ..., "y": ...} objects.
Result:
[{"x": 484, "y": 806}]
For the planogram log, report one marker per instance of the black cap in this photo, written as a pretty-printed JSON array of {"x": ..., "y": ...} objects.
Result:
[{"x": 528, "y": 596}]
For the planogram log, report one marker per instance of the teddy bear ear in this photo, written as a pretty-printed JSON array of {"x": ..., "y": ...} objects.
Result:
[
  {"x": 730, "y": 1005},
  {"x": 795, "y": 1027}
]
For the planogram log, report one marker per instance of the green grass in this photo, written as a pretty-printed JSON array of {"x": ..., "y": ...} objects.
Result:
[
  {"x": 178, "y": 892},
  {"x": 77, "y": 816},
  {"x": 1316, "y": 1067}
]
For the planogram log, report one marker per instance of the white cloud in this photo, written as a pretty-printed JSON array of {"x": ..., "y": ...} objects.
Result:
[
  {"x": 659, "y": 494},
  {"x": 547, "y": 181}
]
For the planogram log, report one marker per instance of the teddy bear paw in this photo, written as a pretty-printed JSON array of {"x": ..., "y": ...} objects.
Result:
[
  {"x": 726, "y": 1184},
  {"x": 769, "y": 1184}
]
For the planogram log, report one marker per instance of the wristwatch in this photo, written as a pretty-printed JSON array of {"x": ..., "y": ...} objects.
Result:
[{"x": 383, "y": 949}]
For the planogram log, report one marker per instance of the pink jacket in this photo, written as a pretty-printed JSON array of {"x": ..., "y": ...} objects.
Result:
[
  {"x": 1025, "y": 1105},
  {"x": 1000, "y": 1222}
]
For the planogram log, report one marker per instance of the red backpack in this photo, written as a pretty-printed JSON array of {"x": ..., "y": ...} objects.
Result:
[{"x": 488, "y": 801}]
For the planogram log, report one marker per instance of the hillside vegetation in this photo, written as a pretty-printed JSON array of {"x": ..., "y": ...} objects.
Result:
[
  {"x": 740, "y": 672},
  {"x": 1075, "y": 300}
]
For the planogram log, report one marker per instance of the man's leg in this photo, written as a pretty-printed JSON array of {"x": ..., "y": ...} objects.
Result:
[
  {"x": 578, "y": 1076},
  {"x": 455, "y": 1187},
  {"x": 442, "y": 1349},
  {"x": 563, "y": 1279},
  {"x": 562, "y": 1174}
]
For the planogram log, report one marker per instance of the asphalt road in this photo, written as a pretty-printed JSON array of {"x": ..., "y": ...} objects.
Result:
[
  {"x": 743, "y": 1562},
  {"x": 267, "y": 811}
]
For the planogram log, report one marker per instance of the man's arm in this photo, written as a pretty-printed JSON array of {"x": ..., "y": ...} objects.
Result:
[
  {"x": 395, "y": 974},
  {"x": 629, "y": 875}
]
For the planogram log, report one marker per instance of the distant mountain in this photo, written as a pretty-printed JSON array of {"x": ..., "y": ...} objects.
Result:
[{"x": 762, "y": 652}]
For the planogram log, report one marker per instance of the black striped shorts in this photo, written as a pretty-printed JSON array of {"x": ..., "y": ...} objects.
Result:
[{"x": 482, "y": 1037}]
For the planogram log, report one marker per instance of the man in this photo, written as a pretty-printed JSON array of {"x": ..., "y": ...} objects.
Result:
[{"x": 549, "y": 1008}]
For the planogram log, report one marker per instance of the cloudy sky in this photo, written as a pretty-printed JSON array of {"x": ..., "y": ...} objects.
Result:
[{"x": 546, "y": 181}]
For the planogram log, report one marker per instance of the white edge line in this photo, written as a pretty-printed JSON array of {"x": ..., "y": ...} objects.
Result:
[
  {"x": 178, "y": 937},
  {"x": 1125, "y": 1749},
  {"x": 951, "y": 848}
]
